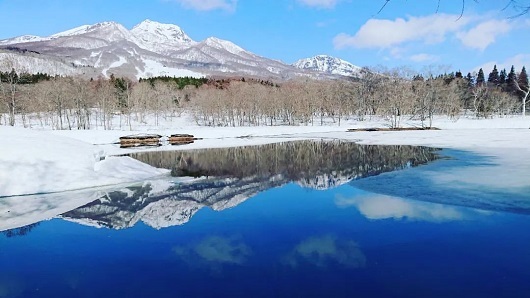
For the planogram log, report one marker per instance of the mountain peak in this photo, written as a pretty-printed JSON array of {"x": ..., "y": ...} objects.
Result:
[
  {"x": 150, "y": 31},
  {"x": 330, "y": 65},
  {"x": 108, "y": 31}
]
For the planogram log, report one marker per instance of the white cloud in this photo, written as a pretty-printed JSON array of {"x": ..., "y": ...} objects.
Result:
[
  {"x": 423, "y": 57},
  {"x": 382, "y": 207},
  {"x": 379, "y": 33},
  {"x": 319, "y": 3},
  {"x": 518, "y": 61},
  {"x": 484, "y": 34},
  {"x": 205, "y": 5}
]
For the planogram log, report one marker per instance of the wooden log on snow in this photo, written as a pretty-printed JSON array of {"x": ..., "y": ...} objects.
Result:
[
  {"x": 140, "y": 140},
  {"x": 181, "y": 139}
]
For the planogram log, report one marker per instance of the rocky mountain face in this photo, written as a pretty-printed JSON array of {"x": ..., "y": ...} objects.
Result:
[
  {"x": 148, "y": 49},
  {"x": 330, "y": 65}
]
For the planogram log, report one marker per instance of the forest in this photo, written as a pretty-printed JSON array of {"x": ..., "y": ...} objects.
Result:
[{"x": 397, "y": 94}]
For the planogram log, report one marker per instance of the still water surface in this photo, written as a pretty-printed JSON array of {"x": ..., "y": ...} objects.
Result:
[{"x": 299, "y": 219}]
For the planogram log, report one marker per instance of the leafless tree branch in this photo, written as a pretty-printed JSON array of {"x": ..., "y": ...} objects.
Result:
[{"x": 521, "y": 9}]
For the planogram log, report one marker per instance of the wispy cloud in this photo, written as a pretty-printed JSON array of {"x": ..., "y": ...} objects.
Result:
[
  {"x": 423, "y": 57},
  {"x": 381, "y": 33},
  {"x": 484, "y": 34},
  {"x": 206, "y": 5},
  {"x": 518, "y": 61},
  {"x": 326, "y": 250},
  {"x": 328, "y": 4}
]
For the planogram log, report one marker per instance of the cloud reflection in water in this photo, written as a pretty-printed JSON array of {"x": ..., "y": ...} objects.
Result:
[
  {"x": 375, "y": 206},
  {"x": 217, "y": 249},
  {"x": 326, "y": 250}
]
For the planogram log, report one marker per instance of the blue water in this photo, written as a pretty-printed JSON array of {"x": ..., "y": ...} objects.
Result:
[
  {"x": 287, "y": 241},
  {"x": 284, "y": 242}
]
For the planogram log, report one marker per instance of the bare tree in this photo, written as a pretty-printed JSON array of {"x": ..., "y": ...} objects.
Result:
[
  {"x": 524, "y": 90},
  {"x": 519, "y": 7},
  {"x": 9, "y": 88},
  {"x": 397, "y": 96},
  {"x": 105, "y": 103}
]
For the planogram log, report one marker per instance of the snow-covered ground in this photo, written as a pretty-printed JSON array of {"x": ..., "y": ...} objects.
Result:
[{"x": 40, "y": 162}]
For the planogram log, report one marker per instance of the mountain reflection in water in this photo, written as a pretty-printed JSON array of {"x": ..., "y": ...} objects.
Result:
[{"x": 229, "y": 176}]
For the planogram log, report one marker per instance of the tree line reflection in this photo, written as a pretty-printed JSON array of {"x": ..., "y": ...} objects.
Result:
[{"x": 296, "y": 161}]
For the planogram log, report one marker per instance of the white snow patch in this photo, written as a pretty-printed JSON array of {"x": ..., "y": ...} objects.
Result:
[
  {"x": 74, "y": 31},
  {"x": 39, "y": 162},
  {"x": 221, "y": 44},
  {"x": 120, "y": 62},
  {"x": 23, "y": 39},
  {"x": 35, "y": 64}
]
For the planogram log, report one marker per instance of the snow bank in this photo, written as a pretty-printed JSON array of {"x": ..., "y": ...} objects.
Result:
[{"x": 40, "y": 162}]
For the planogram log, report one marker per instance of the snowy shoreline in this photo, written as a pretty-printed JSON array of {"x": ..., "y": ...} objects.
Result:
[{"x": 41, "y": 161}]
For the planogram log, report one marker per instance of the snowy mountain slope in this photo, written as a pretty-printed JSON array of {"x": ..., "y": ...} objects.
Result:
[
  {"x": 160, "y": 38},
  {"x": 41, "y": 63},
  {"x": 330, "y": 65},
  {"x": 107, "y": 31},
  {"x": 223, "y": 45},
  {"x": 22, "y": 39},
  {"x": 74, "y": 31},
  {"x": 153, "y": 49}
]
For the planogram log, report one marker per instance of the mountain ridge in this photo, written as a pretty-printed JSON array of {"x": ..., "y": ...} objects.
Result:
[{"x": 148, "y": 49}]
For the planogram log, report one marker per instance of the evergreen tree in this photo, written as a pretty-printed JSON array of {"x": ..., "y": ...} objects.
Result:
[
  {"x": 480, "y": 77},
  {"x": 502, "y": 78},
  {"x": 493, "y": 78},
  {"x": 470, "y": 80},
  {"x": 523, "y": 79},
  {"x": 510, "y": 81}
]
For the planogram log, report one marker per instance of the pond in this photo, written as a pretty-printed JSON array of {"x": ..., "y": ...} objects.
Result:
[{"x": 294, "y": 219}]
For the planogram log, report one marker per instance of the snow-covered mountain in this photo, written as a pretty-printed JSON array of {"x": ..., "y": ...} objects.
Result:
[
  {"x": 148, "y": 49},
  {"x": 160, "y": 38},
  {"x": 329, "y": 65}
]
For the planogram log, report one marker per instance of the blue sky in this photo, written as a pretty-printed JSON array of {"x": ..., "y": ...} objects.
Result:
[{"x": 412, "y": 33}]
